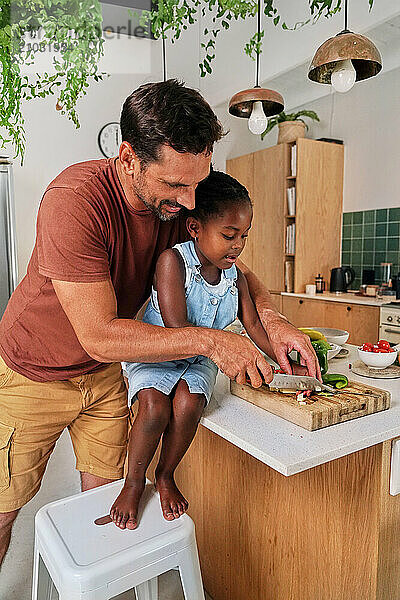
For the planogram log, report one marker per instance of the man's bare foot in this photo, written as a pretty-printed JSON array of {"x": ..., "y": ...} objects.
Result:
[
  {"x": 173, "y": 504},
  {"x": 124, "y": 510}
]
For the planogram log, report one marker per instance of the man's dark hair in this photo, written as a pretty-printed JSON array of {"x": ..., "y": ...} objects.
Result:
[
  {"x": 168, "y": 113},
  {"x": 215, "y": 194}
]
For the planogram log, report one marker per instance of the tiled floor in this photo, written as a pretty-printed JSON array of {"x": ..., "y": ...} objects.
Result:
[{"x": 61, "y": 480}]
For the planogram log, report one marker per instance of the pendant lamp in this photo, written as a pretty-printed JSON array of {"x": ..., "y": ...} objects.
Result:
[
  {"x": 256, "y": 104},
  {"x": 344, "y": 59}
]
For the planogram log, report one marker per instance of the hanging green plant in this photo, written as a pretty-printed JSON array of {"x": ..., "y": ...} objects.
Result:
[
  {"x": 177, "y": 15},
  {"x": 71, "y": 30}
]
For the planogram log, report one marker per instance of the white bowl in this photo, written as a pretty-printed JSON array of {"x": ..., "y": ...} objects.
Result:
[
  {"x": 333, "y": 336},
  {"x": 335, "y": 349},
  {"x": 377, "y": 360}
]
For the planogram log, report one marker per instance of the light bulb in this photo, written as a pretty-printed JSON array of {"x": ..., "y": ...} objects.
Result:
[
  {"x": 258, "y": 120},
  {"x": 344, "y": 76}
]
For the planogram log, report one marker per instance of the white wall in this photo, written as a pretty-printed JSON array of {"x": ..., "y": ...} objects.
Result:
[
  {"x": 368, "y": 120},
  {"x": 233, "y": 70},
  {"x": 53, "y": 142}
]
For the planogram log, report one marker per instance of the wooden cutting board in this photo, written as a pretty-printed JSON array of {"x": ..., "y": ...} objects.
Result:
[{"x": 324, "y": 411}]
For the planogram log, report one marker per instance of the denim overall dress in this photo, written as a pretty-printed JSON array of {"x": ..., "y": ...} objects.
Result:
[{"x": 212, "y": 306}]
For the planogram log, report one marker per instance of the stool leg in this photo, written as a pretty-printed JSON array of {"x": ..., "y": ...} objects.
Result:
[
  {"x": 35, "y": 578},
  {"x": 43, "y": 587},
  {"x": 189, "y": 568},
  {"x": 148, "y": 590}
]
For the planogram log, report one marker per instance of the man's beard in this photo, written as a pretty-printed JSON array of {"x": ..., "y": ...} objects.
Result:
[{"x": 151, "y": 204}]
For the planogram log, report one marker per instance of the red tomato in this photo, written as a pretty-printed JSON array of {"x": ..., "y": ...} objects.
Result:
[
  {"x": 367, "y": 347},
  {"x": 376, "y": 350},
  {"x": 383, "y": 344}
]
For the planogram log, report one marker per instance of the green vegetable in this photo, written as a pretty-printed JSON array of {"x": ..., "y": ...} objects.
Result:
[
  {"x": 336, "y": 380},
  {"x": 321, "y": 350}
]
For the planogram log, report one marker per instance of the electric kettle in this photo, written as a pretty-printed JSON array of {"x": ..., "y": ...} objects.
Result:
[{"x": 341, "y": 278}]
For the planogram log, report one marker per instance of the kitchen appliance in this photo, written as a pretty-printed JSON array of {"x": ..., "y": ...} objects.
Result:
[
  {"x": 389, "y": 328},
  {"x": 341, "y": 278},
  {"x": 357, "y": 400},
  {"x": 368, "y": 277},
  {"x": 386, "y": 270},
  {"x": 8, "y": 253},
  {"x": 395, "y": 280},
  {"x": 319, "y": 284}
]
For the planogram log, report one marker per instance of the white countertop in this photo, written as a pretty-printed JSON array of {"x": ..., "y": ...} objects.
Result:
[
  {"x": 348, "y": 298},
  {"x": 288, "y": 448}
]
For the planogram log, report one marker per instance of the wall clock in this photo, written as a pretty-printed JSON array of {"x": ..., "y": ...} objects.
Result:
[{"x": 109, "y": 139}]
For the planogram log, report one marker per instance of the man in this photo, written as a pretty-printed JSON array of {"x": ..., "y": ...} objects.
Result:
[{"x": 101, "y": 226}]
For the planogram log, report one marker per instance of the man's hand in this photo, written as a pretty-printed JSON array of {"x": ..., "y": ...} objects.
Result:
[
  {"x": 237, "y": 356},
  {"x": 284, "y": 338}
]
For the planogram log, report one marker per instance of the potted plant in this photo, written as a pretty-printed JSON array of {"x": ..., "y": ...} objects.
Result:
[{"x": 291, "y": 125}]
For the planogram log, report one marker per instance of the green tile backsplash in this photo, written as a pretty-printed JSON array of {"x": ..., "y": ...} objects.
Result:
[{"x": 369, "y": 238}]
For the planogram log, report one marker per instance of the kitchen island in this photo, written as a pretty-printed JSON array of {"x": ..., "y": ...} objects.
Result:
[{"x": 283, "y": 513}]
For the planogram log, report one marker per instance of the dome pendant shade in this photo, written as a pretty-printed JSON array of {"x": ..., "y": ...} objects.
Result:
[
  {"x": 241, "y": 104},
  {"x": 363, "y": 54}
]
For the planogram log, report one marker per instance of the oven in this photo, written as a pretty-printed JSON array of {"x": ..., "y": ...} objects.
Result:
[{"x": 389, "y": 328}]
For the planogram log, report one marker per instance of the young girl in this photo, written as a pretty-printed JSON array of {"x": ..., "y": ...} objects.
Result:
[{"x": 196, "y": 283}]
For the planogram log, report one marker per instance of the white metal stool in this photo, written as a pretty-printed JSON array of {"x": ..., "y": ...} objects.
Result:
[{"x": 85, "y": 561}]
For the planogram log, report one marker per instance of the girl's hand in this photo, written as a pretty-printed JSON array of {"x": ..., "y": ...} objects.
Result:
[{"x": 238, "y": 358}]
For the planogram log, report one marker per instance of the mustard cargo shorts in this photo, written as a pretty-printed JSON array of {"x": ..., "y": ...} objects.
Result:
[{"x": 33, "y": 415}]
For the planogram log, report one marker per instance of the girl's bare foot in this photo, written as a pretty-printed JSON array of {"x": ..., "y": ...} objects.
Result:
[
  {"x": 173, "y": 504},
  {"x": 124, "y": 510}
]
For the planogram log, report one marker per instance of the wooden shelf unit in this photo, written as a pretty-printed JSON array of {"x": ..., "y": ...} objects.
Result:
[{"x": 319, "y": 200}]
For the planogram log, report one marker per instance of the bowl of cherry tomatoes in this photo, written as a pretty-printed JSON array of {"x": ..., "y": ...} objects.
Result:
[{"x": 377, "y": 356}]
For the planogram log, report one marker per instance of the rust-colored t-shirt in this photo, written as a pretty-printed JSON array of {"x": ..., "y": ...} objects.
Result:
[{"x": 86, "y": 231}]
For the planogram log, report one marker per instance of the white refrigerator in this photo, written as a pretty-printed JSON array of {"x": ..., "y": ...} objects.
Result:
[{"x": 8, "y": 247}]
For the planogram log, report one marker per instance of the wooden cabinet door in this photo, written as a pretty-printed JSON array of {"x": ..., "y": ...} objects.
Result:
[
  {"x": 269, "y": 203},
  {"x": 319, "y": 199},
  {"x": 264, "y": 175},
  {"x": 362, "y": 322},
  {"x": 277, "y": 300},
  {"x": 242, "y": 169},
  {"x": 303, "y": 312}
]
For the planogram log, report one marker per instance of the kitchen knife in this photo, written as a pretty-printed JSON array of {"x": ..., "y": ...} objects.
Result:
[{"x": 299, "y": 382}]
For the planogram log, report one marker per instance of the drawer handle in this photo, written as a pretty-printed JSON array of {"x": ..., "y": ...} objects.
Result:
[
  {"x": 301, "y": 301},
  {"x": 348, "y": 308},
  {"x": 392, "y": 330}
]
